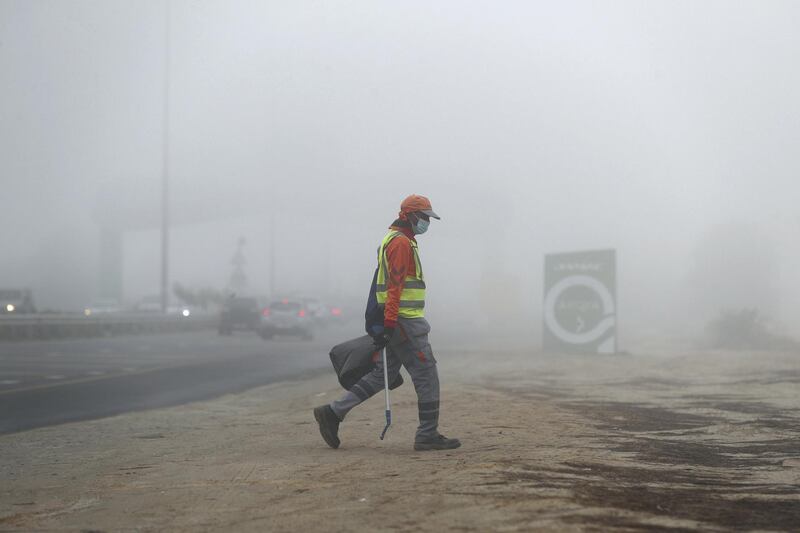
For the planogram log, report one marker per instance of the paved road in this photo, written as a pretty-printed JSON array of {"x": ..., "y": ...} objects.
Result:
[{"x": 51, "y": 382}]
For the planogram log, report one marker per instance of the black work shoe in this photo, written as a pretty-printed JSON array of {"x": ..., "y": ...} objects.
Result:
[
  {"x": 328, "y": 424},
  {"x": 439, "y": 442}
]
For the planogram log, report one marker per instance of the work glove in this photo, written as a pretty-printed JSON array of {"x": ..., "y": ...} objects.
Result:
[{"x": 383, "y": 339}]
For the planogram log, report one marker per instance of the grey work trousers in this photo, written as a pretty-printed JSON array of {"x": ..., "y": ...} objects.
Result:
[{"x": 410, "y": 347}]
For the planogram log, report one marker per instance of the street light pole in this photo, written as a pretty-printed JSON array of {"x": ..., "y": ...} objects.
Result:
[{"x": 165, "y": 167}]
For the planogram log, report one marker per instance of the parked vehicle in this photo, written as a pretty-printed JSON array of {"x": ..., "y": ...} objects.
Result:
[
  {"x": 16, "y": 301},
  {"x": 286, "y": 317},
  {"x": 239, "y": 313}
]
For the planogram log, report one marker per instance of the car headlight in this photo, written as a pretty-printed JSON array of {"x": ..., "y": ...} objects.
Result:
[
  {"x": 10, "y": 308},
  {"x": 186, "y": 312},
  {"x": 87, "y": 312}
]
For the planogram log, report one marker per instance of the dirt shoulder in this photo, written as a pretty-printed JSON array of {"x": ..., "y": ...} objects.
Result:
[{"x": 703, "y": 440}]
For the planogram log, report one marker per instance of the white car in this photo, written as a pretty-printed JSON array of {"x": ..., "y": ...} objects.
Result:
[{"x": 286, "y": 317}]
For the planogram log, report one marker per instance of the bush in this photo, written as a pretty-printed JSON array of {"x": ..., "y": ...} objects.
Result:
[{"x": 745, "y": 329}]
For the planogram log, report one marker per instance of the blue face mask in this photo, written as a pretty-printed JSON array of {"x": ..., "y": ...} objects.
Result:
[{"x": 421, "y": 226}]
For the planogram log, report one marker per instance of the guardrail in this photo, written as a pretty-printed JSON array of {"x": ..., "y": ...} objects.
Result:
[{"x": 30, "y": 327}]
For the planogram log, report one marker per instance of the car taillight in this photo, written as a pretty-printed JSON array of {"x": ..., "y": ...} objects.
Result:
[
  {"x": 336, "y": 311},
  {"x": 265, "y": 312},
  {"x": 301, "y": 313}
]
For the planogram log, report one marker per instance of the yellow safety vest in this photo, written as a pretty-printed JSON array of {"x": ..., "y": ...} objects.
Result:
[{"x": 412, "y": 299}]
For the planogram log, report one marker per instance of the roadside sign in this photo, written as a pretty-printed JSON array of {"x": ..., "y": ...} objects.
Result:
[{"x": 580, "y": 308}]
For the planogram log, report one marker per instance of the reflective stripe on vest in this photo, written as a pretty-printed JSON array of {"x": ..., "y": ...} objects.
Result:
[{"x": 412, "y": 299}]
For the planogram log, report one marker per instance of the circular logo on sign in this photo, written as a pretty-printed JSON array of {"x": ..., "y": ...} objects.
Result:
[{"x": 580, "y": 335}]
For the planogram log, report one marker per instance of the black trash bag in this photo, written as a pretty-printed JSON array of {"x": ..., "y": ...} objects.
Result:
[{"x": 353, "y": 359}]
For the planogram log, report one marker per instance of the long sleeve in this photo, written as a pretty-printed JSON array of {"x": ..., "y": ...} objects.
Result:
[{"x": 400, "y": 263}]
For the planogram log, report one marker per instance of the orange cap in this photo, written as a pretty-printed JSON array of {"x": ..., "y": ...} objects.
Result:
[{"x": 415, "y": 203}]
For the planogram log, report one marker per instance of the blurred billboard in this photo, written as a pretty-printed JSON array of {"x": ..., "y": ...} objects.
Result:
[{"x": 580, "y": 308}]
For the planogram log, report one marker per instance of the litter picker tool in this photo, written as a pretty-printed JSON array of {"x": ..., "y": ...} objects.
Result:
[{"x": 386, "y": 389}]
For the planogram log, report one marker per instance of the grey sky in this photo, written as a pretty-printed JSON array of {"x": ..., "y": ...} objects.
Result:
[{"x": 533, "y": 127}]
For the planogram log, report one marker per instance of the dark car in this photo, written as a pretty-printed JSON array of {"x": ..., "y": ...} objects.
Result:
[
  {"x": 286, "y": 317},
  {"x": 239, "y": 313}
]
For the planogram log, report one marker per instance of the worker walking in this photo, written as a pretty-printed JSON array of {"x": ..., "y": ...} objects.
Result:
[{"x": 399, "y": 290}]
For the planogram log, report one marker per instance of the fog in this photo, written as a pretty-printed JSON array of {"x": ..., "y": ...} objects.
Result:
[{"x": 664, "y": 130}]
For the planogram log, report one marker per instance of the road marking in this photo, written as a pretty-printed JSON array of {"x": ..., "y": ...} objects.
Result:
[
  {"x": 9, "y": 382},
  {"x": 55, "y": 376},
  {"x": 86, "y": 379},
  {"x": 96, "y": 373}
]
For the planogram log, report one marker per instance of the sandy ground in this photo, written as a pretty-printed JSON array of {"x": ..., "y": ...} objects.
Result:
[{"x": 649, "y": 441}]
